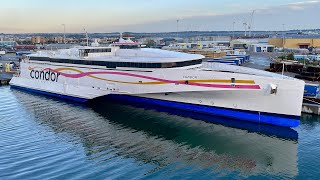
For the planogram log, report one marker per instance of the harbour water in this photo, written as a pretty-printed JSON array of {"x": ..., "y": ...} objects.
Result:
[{"x": 43, "y": 138}]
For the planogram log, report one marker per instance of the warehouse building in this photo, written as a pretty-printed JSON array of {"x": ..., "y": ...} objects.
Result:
[
  {"x": 7, "y": 43},
  {"x": 295, "y": 42}
]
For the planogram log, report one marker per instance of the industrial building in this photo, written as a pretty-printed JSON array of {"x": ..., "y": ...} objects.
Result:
[
  {"x": 245, "y": 43},
  {"x": 261, "y": 48},
  {"x": 302, "y": 42},
  {"x": 7, "y": 43}
]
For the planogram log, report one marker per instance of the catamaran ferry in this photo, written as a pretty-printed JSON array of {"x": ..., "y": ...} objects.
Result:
[{"x": 143, "y": 75}]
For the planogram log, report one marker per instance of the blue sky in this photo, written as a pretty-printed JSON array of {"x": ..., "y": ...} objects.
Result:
[{"x": 152, "y": 15}]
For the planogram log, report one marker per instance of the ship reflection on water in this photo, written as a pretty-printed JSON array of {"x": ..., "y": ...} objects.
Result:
[
  {"x": 280, "y": 132},
  {"x": 165, "y": 137}
]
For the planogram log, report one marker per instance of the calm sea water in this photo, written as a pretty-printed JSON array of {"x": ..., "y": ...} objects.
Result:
[{"x": 46, "y": 138}]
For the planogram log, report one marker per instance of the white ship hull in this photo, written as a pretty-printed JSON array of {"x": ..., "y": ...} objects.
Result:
[{"x": 234, "y": 95}]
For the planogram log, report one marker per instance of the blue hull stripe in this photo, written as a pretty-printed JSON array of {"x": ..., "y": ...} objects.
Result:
[
  {"x": 251, "y": 116},
  {"x": 82, "y": 100}
]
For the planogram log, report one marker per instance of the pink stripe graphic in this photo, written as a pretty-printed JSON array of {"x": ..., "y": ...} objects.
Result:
[{"x": 79, "y": 75}]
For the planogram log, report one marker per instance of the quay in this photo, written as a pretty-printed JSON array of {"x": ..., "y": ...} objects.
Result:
[{"x": 311, "y": 108}]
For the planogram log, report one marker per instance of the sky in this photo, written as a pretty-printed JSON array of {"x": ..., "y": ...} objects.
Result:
[{"x": 46, "y": 16}]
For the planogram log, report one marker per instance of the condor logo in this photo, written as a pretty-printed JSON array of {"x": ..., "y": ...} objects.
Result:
[{"x": 42, "y": 75}]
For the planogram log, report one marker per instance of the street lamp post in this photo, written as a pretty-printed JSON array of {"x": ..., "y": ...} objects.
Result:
[
  {"x": 64, "y": 33},
  {"x": 233, "y": 30},
  {"x": 283, "y": 36},
  {"x": 177, "y": 27}
]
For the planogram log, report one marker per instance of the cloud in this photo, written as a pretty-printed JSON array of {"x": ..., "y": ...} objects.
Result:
[
  {"x": 297, "y": 15},
  {"x": 194, "y": 17},
  {"x": 303, "y": 2},
  {"x": 301, "y": 5},
  {"x": 296, "y": 7}
]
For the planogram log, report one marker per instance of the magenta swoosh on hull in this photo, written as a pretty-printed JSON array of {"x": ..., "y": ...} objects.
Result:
[{"x": 79, "y": 75}]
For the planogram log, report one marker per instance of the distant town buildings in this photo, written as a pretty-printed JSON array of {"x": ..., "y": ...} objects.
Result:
[
  {"x": 291, "y": 41},
  {"x": 6, "y": 38},
  {"x": 38, "y": 40},
  {"x": 58, "y": 39}
]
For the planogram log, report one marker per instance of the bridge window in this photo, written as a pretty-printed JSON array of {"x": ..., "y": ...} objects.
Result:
[
  {"x": 109, "y": 64},
  {"x": 85, "y": 52}
]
